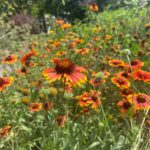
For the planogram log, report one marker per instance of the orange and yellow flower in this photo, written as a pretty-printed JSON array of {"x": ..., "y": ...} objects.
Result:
[
  {"x": 59, "y": 21},
  {"x": 141, "y": 75},
  {"x": 82, "y": 51},
  {"x": 120, "y": 82},
  {"x": 35, "y": 107},
  {"x": 108, "y": 37},
  {"x": 65, "y": 26},
  {"x": 147, "y": 25},
  {"x": 26, "y": 59},
  {"x": 10, "y": 59},
  {"x": 90, "y": 99},
  {"x": 116, "y": 63},
  {"x": 5, "y": 131},
  {"x": 140, "y": 101},
  {"x": 78, "y": 41},
  {"x": 124, "y": 105},
  {"x": 126, "y": 92},
  {"x": 5, "y": 82},
  {"x": 94, "y": 7},
  {"x": 124, "y": 74},
  {"x": 22, "y": 71},
  {"x": 66, "y": 70},
  {"x": 136, "y": 64}
]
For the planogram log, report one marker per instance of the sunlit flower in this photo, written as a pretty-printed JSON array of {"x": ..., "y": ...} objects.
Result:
[
  {"x": 136, "y": 64},
  {"x": 121, "y": 82},
  {"x": 140, "y": 101},
  {"x": 53, "y": 91},
  {"x": 72, "y": 44},
  {"x": 124, "y": 74},
  {"x": 26, "y": 59},
  {"x": 56, "y": 44},
  {"x": 124, "y": 105},
  {"x": 59, "y": 21},
  {"x": 93, "y": 7},
  {"x": 66, "y": 70},
  {"x": 147, "y": 26},
  {"x": 61, "y": 120},
  {"x": 61, "y": 53},
  {"x": 116, "y": 63},
  {"x": 126, "y": 92},
  {"x": 35, "y": 107},
  {"x": 65, "y": 26},
  {"x": 82, "y": 51},
  {"x": 78, "y": 41},
  {"x": 22, "y": 71},
  {"x": 108, "y": 37},
  {"x": 90, "y": 99},
  {"x": 5, "y": 82},
  {"x": 25, "y": 100},
  {"x": 5, "y": 131},
  {"x": 9, "y": 59},
  {"x": 141, "y": 75}
]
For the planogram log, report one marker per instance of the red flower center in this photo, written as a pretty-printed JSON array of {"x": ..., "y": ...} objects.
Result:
[
  {"x": 127, "y": 91},
  {"x": 35, "y": 106},
  {"x": 120, "y": 81},
  {"x": 116, "y": 63},
  {"x": 126, "y": 105},
  {"x": 23, "y": 70},
  {"x": 125, "y": 74},
  {"x": 141, "y": 99},
  {"x": 64, "y": 66},
  {"x": 140, "y": 75},
  {"x": 2, "y": 82},
  {"x": 8, "y": 58},
  {"x": 94, "y": 98},
  {"x": 134, "y": 63}
]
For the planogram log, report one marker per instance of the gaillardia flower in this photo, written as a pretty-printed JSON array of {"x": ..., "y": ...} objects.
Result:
[
  {"x": 116, "y": 63},
  {"x": 66, "y": 70},
  {"x": 26, "y": 59},
  {"x": 22, "y": 71},
  {"x": 124, "y": 105},
  {"x": 93, "y": 7},
  {"x": 5, "y": 131},
  {"x": 126, "y": 92},
  {"x": 136, "y": 64},
  {"x": 121, "y": 82},
  {"x": 5, "y": 82},
  {"x": 141, "y": 75},
  {"x": 35, "y": 107},
  {"x": 124, "y": 74},
  {"x": 140, "y": 101},
  {"x": 9, "y": 59},
  {"x": 90, "y": 99}
]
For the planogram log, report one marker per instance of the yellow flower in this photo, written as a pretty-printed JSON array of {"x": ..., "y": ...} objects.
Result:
[
  {"x": 53, "y": 91},
  {"x": 25, "y": 100}
]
